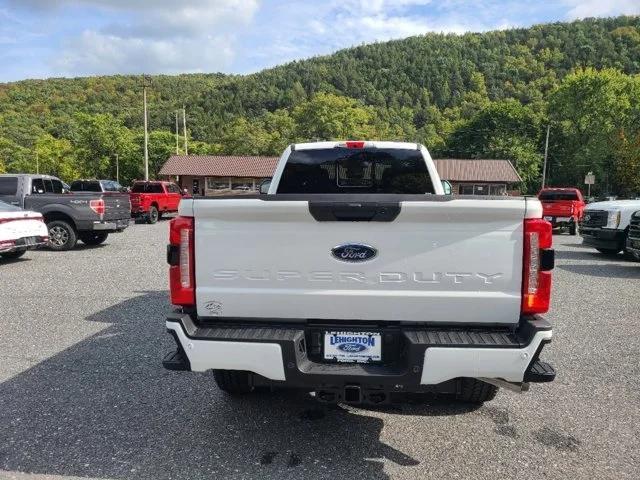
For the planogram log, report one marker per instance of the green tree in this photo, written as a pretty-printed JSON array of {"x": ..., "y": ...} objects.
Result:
[
  {"x": 506, "y": 130},
  {"x": 56, "y": 157},
  {"x": 331, "y": 117},
  {"x": 593, "y": 110},
  {"x": 97, "y": 140}
]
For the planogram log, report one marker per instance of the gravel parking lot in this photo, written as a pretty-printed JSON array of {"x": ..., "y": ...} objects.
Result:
[{"x": 83, "y": 392}]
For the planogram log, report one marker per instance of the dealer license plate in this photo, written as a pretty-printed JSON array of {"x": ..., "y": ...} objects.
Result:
[{"x": 359, "y": 347}]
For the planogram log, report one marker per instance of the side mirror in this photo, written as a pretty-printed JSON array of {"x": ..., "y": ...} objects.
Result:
[
  {"x": 264, "y": 187},
  {"x": 446, "y": 186}
]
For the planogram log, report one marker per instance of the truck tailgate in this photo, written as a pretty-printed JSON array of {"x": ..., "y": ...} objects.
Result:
[
  {"x": 453, "y": 261},
  {"x": 116, "y": 206}
]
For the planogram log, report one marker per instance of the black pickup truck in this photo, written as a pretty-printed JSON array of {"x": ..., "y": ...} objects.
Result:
[{"x": 69, "y": 216}]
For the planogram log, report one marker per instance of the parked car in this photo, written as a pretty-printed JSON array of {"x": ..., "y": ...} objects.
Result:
[
  {"x": 20, "y": 230},
  {"x": 150, "y": 200},
  {"x": 633, "y": 237},
  {"x": 562, "y": 207},
  {"x": 365, "y": 283},
  {"x": 104, "y": 186},
  {"x": 89, "y": 217},
  {"x": 605, "y": 225}
]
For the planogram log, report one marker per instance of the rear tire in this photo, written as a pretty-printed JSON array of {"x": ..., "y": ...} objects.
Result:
[
  {"x": 608, "y": 251},
  {"x": 234, "y": 382},
  {"x": 13, "y": 255},
  {"x": 62, "y": 236},
  {"x": 476, "y": 391},
  {"x": 153, "y": 215},
  {"x": 93, "y": 238}
]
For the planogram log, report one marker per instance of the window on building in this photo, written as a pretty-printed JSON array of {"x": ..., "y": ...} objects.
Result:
[
  {"x": 466, "y": 190},
  {"x": 482, "y": 189},
  {"x": 217, "y": 183},
  {"x": 242, "y": 184}
]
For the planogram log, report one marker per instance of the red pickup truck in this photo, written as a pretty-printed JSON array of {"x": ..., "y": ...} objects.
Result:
[
  {"x": 150, "y": 200},
  {"x": 562, "y": 207}
]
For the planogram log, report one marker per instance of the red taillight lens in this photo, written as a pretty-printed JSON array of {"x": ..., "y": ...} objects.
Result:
[
  {"x": 181, "y": 271},
  {"x": 537, "y": 262},
  {"x": 97, "y": 206},
  {"x": 354, "y": 144}
]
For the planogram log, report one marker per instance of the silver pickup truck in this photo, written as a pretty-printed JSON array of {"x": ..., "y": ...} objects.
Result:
[
  {"x": 356, "y": 278},
  {"x": 70, "y": 217}
]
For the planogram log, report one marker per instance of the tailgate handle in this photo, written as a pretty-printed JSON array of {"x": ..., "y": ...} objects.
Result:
[{"x": 354, "y": 212}]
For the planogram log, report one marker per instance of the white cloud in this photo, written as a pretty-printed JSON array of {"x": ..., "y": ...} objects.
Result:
[
  {"x": 96, "y": 53},
  {"x": 151, "y": 36},
  {"x": 601, "y": 8}
]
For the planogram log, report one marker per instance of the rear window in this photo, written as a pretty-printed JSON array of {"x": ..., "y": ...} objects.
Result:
[
  {"x": 46, "y": 185},
  {"x": 85, "y": 186},
  {"x": 344, "y": 170},
  {"x": 111, "y": 186},
  {"x": 147, "y": 188},
  {"x": 8, "y": 185},
  {"x": 551, "y": 196}
]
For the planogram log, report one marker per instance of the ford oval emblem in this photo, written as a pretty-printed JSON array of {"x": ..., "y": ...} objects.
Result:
[
  {"x": 352, "y": 347},
  {"x": 353, "y": 252}
]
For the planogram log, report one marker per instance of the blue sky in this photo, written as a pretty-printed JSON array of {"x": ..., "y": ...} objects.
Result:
[{"x": 54, "y": 38}]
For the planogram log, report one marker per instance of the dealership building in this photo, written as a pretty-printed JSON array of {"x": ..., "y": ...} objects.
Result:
[{"x": 224, "y": 174}]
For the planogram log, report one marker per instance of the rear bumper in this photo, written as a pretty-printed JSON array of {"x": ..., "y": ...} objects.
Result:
[
  {"x": 25, "y": 243},
  {"x": 110, "y": 225},
  {"x": 559, "y": 221},
  {"x": 603, "y": 238},
  {"x": 284, "y": 354}
]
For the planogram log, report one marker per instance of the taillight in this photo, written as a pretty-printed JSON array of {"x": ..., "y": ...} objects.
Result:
[
  {"x": 180, "y": 254},
  {"x": 354, "y": 144},
  {"x": 538, "y": 260},
  {"x": 97, "y": 206}
]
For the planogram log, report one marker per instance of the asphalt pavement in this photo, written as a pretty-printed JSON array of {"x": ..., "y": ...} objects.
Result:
[{"x": 83, "y": 393}]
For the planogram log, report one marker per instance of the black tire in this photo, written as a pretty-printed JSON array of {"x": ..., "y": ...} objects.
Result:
[
  {"x": 608, "y": 251},
  {"x": 573, "y": 229},
  {"x": 13, "y": 255},
  {"x": 234, "y": 382},
  {"x": 160, "y": 214},
  {"x": 476, "y": 391},
  {"x": 153, "y": 215},
  {"x": 62, "y": 235},
  {"x": 93, "y": 238}
]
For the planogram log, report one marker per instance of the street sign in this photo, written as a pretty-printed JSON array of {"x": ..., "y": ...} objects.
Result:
[{"x": 589, "y": 179}]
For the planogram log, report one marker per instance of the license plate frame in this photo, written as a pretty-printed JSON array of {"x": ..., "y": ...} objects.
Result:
[{"x": 352, "y": 346}]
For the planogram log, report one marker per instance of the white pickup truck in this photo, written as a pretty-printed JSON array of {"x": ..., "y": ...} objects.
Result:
[{"x": 355, "y": 278}]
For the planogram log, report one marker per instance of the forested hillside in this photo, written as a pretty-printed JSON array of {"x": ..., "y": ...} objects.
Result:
[{"x": 474, "y": 95}]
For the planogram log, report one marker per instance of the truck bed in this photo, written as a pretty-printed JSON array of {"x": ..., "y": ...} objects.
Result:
[{"x": 439, "y": 259}]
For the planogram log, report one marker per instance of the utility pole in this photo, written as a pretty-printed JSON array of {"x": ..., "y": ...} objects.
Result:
[
  {"x": 37, "y": 163},
  {"x": 146, "y": 132},
  {"x": 546, "y": 151},
  {"x": 117, "y": 169},
  {"x": 177, "y": 135},
  {"x": 184, "y": 128}
]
